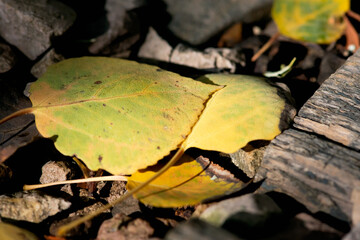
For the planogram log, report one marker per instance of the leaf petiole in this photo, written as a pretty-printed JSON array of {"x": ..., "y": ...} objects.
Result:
[{"x": 17, "y": 114}]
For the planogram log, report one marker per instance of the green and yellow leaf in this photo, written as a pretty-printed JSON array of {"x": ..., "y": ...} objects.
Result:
[
  {"x": 115, "y": 114},
  {"x": 320, "y": 21}
]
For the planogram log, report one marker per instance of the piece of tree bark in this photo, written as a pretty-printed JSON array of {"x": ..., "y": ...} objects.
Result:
[
  {"x": 318, "y": 161},
  {"x": 321, "y": 174},
  {"x": 334, "y": 110}
]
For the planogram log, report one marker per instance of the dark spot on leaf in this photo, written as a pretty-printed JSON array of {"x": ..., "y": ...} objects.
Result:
[
  {"x": 100, "y": 158},
  {"x": 155, "y": 82},
  {"x": 104, "y": 104},
  {"x": 108, "y": 76},
  {"x": 159, "y": 70},
  {"x": 167, "y": 116},
  {"x": 137, "y": 132},
  {"x": 97, "y": 82},
  {"x": 158, "y": 147},
  {"x": 111, "y": 123}
]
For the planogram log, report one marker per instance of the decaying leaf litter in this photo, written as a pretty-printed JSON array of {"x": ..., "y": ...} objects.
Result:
[{"x": 101, "y": 159}]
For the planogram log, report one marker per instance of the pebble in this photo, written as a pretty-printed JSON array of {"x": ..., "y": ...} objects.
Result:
[
  {"x": 197, "y": 229},
  {"x": 250, "y": 209},
  {"x": 31, "y": 206},
  {"x": 248, "y": 159},
  {"x": 121, "y": 227},
  {"x": 57, "y": 171},
  {"x": 158, "y": 49},
  {"x": 155, "y": 47}
]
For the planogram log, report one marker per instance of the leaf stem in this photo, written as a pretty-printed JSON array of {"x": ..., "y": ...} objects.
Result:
[
  {"x": 17, "y": 114},
  {"x": 63, "y": 229},
  {"x": 83, "y": 180}
]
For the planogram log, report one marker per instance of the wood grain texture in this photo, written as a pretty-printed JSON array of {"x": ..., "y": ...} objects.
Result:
[
  {"x": 321, "y": 174},
  {"x": 334, "y": 110}
]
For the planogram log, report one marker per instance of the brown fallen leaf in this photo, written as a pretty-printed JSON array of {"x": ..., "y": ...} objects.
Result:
[{"x": 231, "y": 36}]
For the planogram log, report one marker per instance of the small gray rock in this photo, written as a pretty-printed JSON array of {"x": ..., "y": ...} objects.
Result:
[
  {"x": 7, "y": 58},
  {"x": 210, "y": 58},
  {"x": 127, "y": 207},
  {"x": 197, "y": 21},
  {"x": 57, "y": 171},
  {"x": 31, "y": 206},
  {"x": 121, "y": 227},
  {"x": 30, "y": 25},
  {"x": 258, "y": 205},
  {"x": 50, "y": 58},
  {"x": 248, "y": 159},
  {"x": 196, "y": 229},
  {"x": 155, "y": 47},
  {"x": 158, "y": 49}
]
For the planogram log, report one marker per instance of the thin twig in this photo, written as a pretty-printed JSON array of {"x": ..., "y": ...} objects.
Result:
[
  {"x": 83, "y": 180},
  {"x": 353, "y": 15},
  {"x": 352, "y": 36},
  {"x": 265, "y": 47}
]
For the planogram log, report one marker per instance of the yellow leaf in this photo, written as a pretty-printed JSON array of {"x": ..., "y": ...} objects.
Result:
[
  {"x": 11, "y": 232},
  {"x": 188, "y": 182},
  {"x": 320, "y": 21},
  {"x": 246, "y": 109}
]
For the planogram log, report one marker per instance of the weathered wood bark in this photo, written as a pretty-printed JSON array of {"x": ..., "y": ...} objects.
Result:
[
  {"x": 322, "y": 175},
  {"x": 334, "y": 110},
  {"x": 317, "y": 162}
]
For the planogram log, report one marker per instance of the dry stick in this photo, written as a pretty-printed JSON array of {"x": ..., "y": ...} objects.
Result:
[
  {"x": 63, "y": 229},
  {"x": 353, "y": 15},
  {"x": 352, "y": 37},
  {"x": 83, "y": 180},
  {"x": 265, "y": 47}
]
